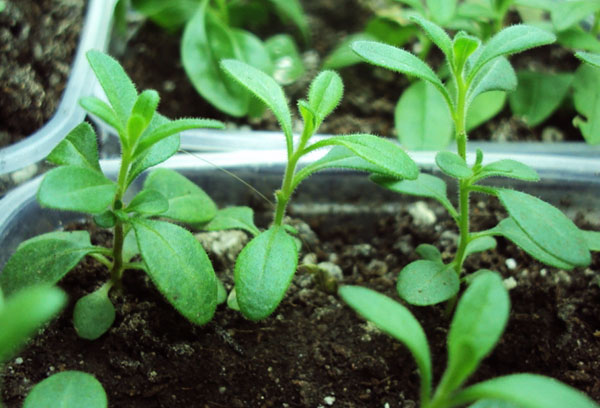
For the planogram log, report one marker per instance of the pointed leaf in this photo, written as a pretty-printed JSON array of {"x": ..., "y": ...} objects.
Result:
[
  {"x": 94, "y": 314},
  {"x": 104, "y": 111},
  {"x": 119, "y": 89},
  {"x": 24, "y": 312},
  {"x": 453, "y": 165},
  {"x": 478, "y": 323},
  {"x": 221, "y": 292},
  {"x": 463, "y": 46},
  {"x": 397, "y": 321},
  {"x": 497, "y": 75},
  {"x": 422, "y": 118},
  {"x": 484, "y": 107},
  {"x": 593, "y": 239},
  {"x": 590, "y": 58},
  {"x": 233, "y": 218},
  {"x": 76, "y": 189},
  {"x": 526, "y": 391},
  {"x": 436, "y": 34},
  {"x": 507, "y": 168},
  {"x": 78, "y": 148},
  {"x": 587, "y": 102},
  {"x": 148, "y": 202},
  {"x": 187, "y": 202},
  {"x": 67, "y": 389},
  {"x": 146, "y": 104},
  {"x": 566, "y": 14},
  {"x": 550, "y": 228},
  {"x": 263, "y": 272},
  {"x": 44, "y": 259},
  {"x": 325, "y": 93},
  {"x": 480, "y": 245},
  {"x": 179, "y": 267},
  {"x": 442, "y": 11},
  {"x": 424, "y": 283}
]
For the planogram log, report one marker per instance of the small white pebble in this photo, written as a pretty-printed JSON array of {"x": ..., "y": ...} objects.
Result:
[
  {"x": 422, "y": 214},
  {"x": 510, "y": 283},
  {"x": 386, "y": 405},
  {"x": 329, "y": 400},
  {"x": 18, "y": 360},
  {"x": 222, "y": 390},
  {"x": 511, "y": 263},
  {"x": 543, "y": 272}
]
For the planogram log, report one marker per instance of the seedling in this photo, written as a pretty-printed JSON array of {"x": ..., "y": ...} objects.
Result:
[
  {"x": 478, "y": 323},
  {"x": 171, "y": 256},
  {"x": 537, "y": 227},
  {"x": 265, "y": 267},
  {"x": 20, "y": 316}
]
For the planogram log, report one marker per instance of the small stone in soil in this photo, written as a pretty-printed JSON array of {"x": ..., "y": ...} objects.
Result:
[
  {"x": 422, "y": 214},
  {"x": 510, "y": 283},
  {"x": 511, "y": 263}
]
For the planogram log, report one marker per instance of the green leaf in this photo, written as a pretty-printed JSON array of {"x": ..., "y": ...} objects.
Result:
[
  {"x": 578, "y": 39},
  {"x": 146, "y": 104},
  {"x": 425, "y": 185},
  {"x": 325, "y": 94},
  {"x": 489, "y": 403},
  {"x": 101, "y": 109},
  {"x": 68, "y": 389},
  {"x": 538, "y": 95},
  {"x": 479, "y": 245},
  {"x": 463, "y": 46},
  {"x": 78, "y": 148},
  {"x": 292, "y": 10},
  {"x": 187, "y": 202},
  {"x": 135, "y": 127},
  {"x": 287, "y": 63},
  {"x": 497, "y": 75},
  {"x": 263, "y": 272},
  {"x": 179, "y": 267},
  {"x": 233, "y": 218},
  {"x": 592, "y": 59},
  {"x": 453, "y": 165},
  {"x": 76, "y": 189},
  {"x": 478, "y": 323},
  {"x": 24, "y": 312},
  {"x": 264, "y": 88},
  {"x": 593, "y": 239},
  {"x": 436, "y": 34},
  {"x": 107, "y": 219},
  {"x": 148, "y": 202},
  {"x": 429, "y": 253},
  {"x": 130, "y": 246},
  {"x": 566, "y": 14},
  {"x": 550, "y": 228},
  {"x": 526, "y": 391},
  {"x": 342, "y": 56},
  {"x": 509, "y": 229},
  {"x": 170, "y": 15},
  {"x": 511, "y": 40},
  {"x": 94, "y": 314},
  {"x": 221, "y": 292},
  {"x": 484, "y": 107},
  {"x": 507, "y": 168},
  {"x": 424, "y": 283},
  {"x": 397, "y": 321},
  {"x": 308, "y": 116},
  {"x": 398, "y": 60},
  {"x": 44, "y": 259},
  {"x": 441, "y": 11},
  {"x": 587, "y": 102},
  {"x": 117, "y": 86},
  {"x": 422, "y": 118}
]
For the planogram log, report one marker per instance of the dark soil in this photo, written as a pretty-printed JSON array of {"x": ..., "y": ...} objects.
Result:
[
  {"x": 370, "y": 93},
  {"x": 38, "y": 39},
  {"x": 314, "y": 350}
]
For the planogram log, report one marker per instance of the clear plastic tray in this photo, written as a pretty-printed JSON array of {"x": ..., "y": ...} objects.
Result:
[{"x": 94, "y": 35}]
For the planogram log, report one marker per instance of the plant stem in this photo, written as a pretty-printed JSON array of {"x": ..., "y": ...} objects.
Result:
[{"x": 118, "y": 235}]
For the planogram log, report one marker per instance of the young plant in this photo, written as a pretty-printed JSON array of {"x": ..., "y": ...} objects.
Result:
[
  {"x": 20, "y": 316},
  {"x": 548, "y": 236},
  {"x": 586, "y": 87},
  {"x": 265, "y": 267},
  {"x": 478, "y": 323},
  {"x": 171, "y": 256}
]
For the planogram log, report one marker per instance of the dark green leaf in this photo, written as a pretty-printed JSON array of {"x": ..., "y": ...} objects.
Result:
[
  {"x": 478, "y": 323},
  {"x": 148, "y": 202},
  {"x": 325, "y": 94},
  {"x": 593, "y": 239},
  {"x": 587, "y": 102},
  {"x": 78, "y": 148},
  {"x": 592, "y": 59},
  {"x": 343, "y": 56},
  {"x": 549, "y": 228},
  {"x": 453, "y": 165},
  {"x": 187, "y": 202},
  {"x": 263, "y": 272},
  {"x": 24, "y": 312},
  {"x": 424, "y": 283},
  {"x": 287, "y": 63},
  {"x": 94, "y": 314},
  {"x": 68, "y": 389},
  {"x": 170, "y": 14},
  {"x": 107, "y": 219},
  {"x": 435, "y": 34},
  {"x": 101, "y": 109},
  {"x": 76, "y": 189},
  {"x": 396, "y": 320},
  {"x": 179, "y": 267},
  {"x": 422, "y": 118},
  {"x": 44, "y": 259},
  {"x": 429, "y": 253},
  {"x": 507, "y": 168},
  {"x": 566, "y": 14},
  {"x": 234, "y": 218},
  {"x": 484, "y": 107},
  {"x": 292, "y": 10},
  {"x": 480, "y": 245}
]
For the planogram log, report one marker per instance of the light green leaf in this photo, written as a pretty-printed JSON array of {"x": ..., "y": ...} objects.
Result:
[
  {"x": 68, "y": 389},
  {"x": 489, "y": 403},
  {"x": 566, "y": 14},
  {"x": 94, "y": 314},
  {"x": 507, "y": 168},
  {"x": 146, "y": 104},
  {"x": 397, "y": 321},
  {"x": 429, "y": 253},
  {"x": 130, "y": 246},
  {"x": 187, "y": 202},
  {"x": 78, "y": 148},
  {"x": 263, "y": 272},
  {"x": 287, "y": 63},
  {"x": 24, "y": 312},
  {"x": 44, "y": 259},
  {"x": 76, "y": 189},
  {"x": 232, "y": 301},
  {"x": 292, "y": 10},
  {"x": 478, "y": 323},
  {"x": 526, "y": 391},
  {"x": 179, "y": 267},
  {"x": 538, "y": 95},
  {"x": 103, "y": 110},
  {"x": 135, "y": 127},
  {"x": 497, "y": 75},
  {"x": 587, "y": 102},
  {"x": 593, "y": 239},
  {"x": 549, "y": 228},
  {"x": 233, "y": 218},
  {"x": 422, "y": 118},
  {"x": 441, "y": 11},
  {"x": 590, "y": 58},
  {"x": 484, "y": 107},
  {"x": 463, "y": 46},
  {"x": 325, "y": 93},
  {"x": 119, "y": 89},
  {"x": 453, "y": 165},
  {"x": 342, "y": 56},
  {"x": 436, "y": 34},
  {"x": 148, "y": 202},
  {"x": 424, "y": 283},
  {"x": 479, "y": 245},
  {"x": 221, "y": 292},
  {"x": 577, "y": 39}
]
